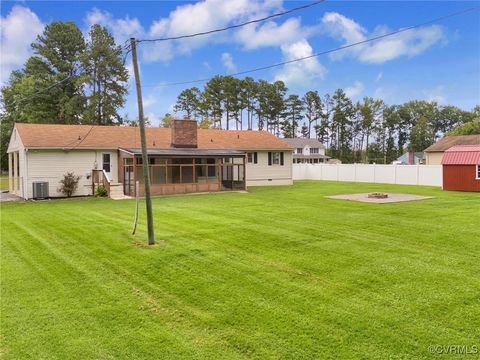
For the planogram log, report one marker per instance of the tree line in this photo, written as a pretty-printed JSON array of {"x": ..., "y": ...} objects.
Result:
[
  {"x": 365, "y": 131},
  {"x": 77, "y": 79},
  {"x": 69, "y": 79}
]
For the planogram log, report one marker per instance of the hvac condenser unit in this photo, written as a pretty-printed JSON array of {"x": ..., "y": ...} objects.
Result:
[{"x": 40, "y": 189}]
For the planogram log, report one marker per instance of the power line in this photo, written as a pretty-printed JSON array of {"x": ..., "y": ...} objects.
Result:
[
  {"x": 14, "y": 102},
  {"x": 235, "y": 26},
  {"x": 327, "y": 51}
]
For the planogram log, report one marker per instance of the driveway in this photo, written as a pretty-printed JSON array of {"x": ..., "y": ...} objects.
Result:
[{"x": 4, "y": 197}]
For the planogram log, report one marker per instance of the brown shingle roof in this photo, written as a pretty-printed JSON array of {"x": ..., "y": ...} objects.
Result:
[
  {"x": 449, "y": 141},
  {"x": 113, "y": 137}
]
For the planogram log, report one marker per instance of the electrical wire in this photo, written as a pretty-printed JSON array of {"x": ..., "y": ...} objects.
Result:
[
  {"x": 327, "y": 51},
  {"x": 234, "y": 26},
  {"x": 15, "y": 103}
]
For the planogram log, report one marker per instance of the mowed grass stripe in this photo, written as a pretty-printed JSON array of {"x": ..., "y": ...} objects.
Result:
[{"x": 275, "y": 273}]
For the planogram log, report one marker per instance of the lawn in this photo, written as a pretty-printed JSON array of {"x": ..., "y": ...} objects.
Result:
[{"x": 279, "y": 272}]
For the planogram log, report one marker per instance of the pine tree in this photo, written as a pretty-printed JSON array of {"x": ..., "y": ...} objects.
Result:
[
  {"x": 188, "y": 102},
  {"x": 105, "y": 76},
  {"x": 313, "y": 108},
  {"x": 57, "y": 60},
  {"x": 293, "y": 114}
]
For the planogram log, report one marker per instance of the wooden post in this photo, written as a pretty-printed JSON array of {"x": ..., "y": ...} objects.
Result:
[
  {"x": 10, "y": 173},
  {"x": 143, "y": 139},
  {"x": 15, "y": 172}
]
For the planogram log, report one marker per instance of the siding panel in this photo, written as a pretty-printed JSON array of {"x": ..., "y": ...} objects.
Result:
[
  {"x": 264, "y": 174},
  {"x": 460, "y": 178},
  {"x": 52, "y": 165}
]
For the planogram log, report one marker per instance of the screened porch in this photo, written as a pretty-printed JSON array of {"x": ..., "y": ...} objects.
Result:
[{"x": 182, "y": 171}]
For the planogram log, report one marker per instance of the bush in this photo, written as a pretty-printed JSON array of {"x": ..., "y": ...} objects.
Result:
[
  {"x": 69, "y": 184},
  {"x": 101, "y": 191}
]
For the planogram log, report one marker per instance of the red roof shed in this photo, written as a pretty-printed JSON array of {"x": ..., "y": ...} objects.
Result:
[{"x": 461, "y": 168}]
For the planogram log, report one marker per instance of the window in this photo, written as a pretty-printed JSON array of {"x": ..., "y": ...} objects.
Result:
[
  {"x": 252, "y": 157},
  {"x": 275, "y": 158},
  {"x": 478, "y": 172},
  {"x": 299, "y": 150},
  {"x": 106, "y": 162},
  {"x": 313, "y": 150}
]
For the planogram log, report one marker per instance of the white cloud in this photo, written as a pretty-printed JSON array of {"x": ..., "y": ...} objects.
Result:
[
  {"x": 121, "y": 29},
  {"x": 153, "y": 119},
  {"x": 301, "y": 73},
  {"x": 211, "y": 14},
  {"x": 149, "y": 101},
  {"x": 271, "y": 34},
  {"x": 409, "y": 43},
  {"x": 227, "y": 61},
  {"x": 18, "y": 30},
  {"x": 207, "y": 66},
  {"x": 203, "y": 16},
  {"x": 436, "y": 94},
  {"x": 379, "y": 76},
  {"x": 354, "y": 90}
]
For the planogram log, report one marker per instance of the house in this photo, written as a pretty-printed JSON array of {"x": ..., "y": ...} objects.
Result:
[
  {"x": 434, "y": 153},
  {"x": 461, "y": 168},
  {"x": 411, "y": 158},
  {"x": 182, "y": 159},
  {"x": 310, "y": 151}
]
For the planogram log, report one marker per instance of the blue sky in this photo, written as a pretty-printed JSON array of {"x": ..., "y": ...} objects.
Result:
[{"x": 438, "y": 62}]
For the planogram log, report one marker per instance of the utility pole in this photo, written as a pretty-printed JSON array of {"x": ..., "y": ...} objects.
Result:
[{"x": 141, "y": 121}]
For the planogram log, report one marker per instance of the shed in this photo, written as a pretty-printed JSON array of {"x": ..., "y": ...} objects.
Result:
[{"x": 461, "y": 168}]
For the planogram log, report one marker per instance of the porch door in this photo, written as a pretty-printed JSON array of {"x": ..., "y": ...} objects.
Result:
[
  {"x": 107, "y": 165},
  {"x": 128, "y": 180}
]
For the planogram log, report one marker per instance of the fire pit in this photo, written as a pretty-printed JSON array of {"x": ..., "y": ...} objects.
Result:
[{"x": 378, "y": 195}]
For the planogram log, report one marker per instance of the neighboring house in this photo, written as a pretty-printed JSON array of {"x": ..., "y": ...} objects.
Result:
[
  {"x": 182, "y": 159},
  {"x": 461, "y": 168},
  {"x": 411, "y": 158},
  {"x": 310, "y": 151},
  {"x": 434, "y": 153}
]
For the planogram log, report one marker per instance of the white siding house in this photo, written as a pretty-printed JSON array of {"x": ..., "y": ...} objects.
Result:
[
  {"x": 309, "y": 151},
  {"x": 45, "y": 153}
]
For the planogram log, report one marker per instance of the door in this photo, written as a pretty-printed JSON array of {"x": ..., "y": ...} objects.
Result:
[
  {"x": 128, "y": 180},
  {"x": 107, "y": 165}
]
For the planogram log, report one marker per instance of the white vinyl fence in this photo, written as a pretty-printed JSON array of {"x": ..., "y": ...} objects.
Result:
[{"x": 387, "y": 174}]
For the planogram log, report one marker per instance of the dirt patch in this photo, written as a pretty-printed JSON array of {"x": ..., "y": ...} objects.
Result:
[{"x": 392, "y": 198}]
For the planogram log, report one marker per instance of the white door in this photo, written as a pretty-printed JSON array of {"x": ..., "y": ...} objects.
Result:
[{"x": 107, "y": 164}]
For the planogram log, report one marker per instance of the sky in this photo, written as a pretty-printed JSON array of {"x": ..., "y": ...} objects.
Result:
[{"x": 435, "y": 62}]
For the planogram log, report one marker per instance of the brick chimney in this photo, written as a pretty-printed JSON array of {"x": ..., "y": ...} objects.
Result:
[
  {"x": 184, "y": 133},
  {"x": 411, "y": 158}
]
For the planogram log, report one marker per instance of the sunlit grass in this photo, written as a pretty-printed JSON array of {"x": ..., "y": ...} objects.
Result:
[{"x": 279, "y": 272}]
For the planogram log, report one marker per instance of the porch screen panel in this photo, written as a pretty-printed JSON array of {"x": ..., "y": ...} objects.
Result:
[
  {"x": 187, "y": 174},
  {"x": 159, "y": 174}
]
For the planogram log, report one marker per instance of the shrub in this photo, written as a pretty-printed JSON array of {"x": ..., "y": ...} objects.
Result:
[
  {"x": 101, "y": 191},
  {"x": 69, "y": 184}
]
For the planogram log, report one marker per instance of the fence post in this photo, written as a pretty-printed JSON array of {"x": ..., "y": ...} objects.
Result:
[
  {"x": 418, "y": 174},
  {"x": 395, "y": 174},
  {"x": 374, "y": 179}
]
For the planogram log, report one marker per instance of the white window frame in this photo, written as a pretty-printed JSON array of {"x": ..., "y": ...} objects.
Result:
[
  {"x": 478, "y": 172},
  {"x": 276, "y": 158}
]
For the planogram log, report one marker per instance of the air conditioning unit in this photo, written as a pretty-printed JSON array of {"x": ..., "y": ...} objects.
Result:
[{"x": 40, "y": 189}]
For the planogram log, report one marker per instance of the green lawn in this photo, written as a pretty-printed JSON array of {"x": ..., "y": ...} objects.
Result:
[
  {"x": 3, "y": 182},
  {"x": 279, "y": 272}
]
